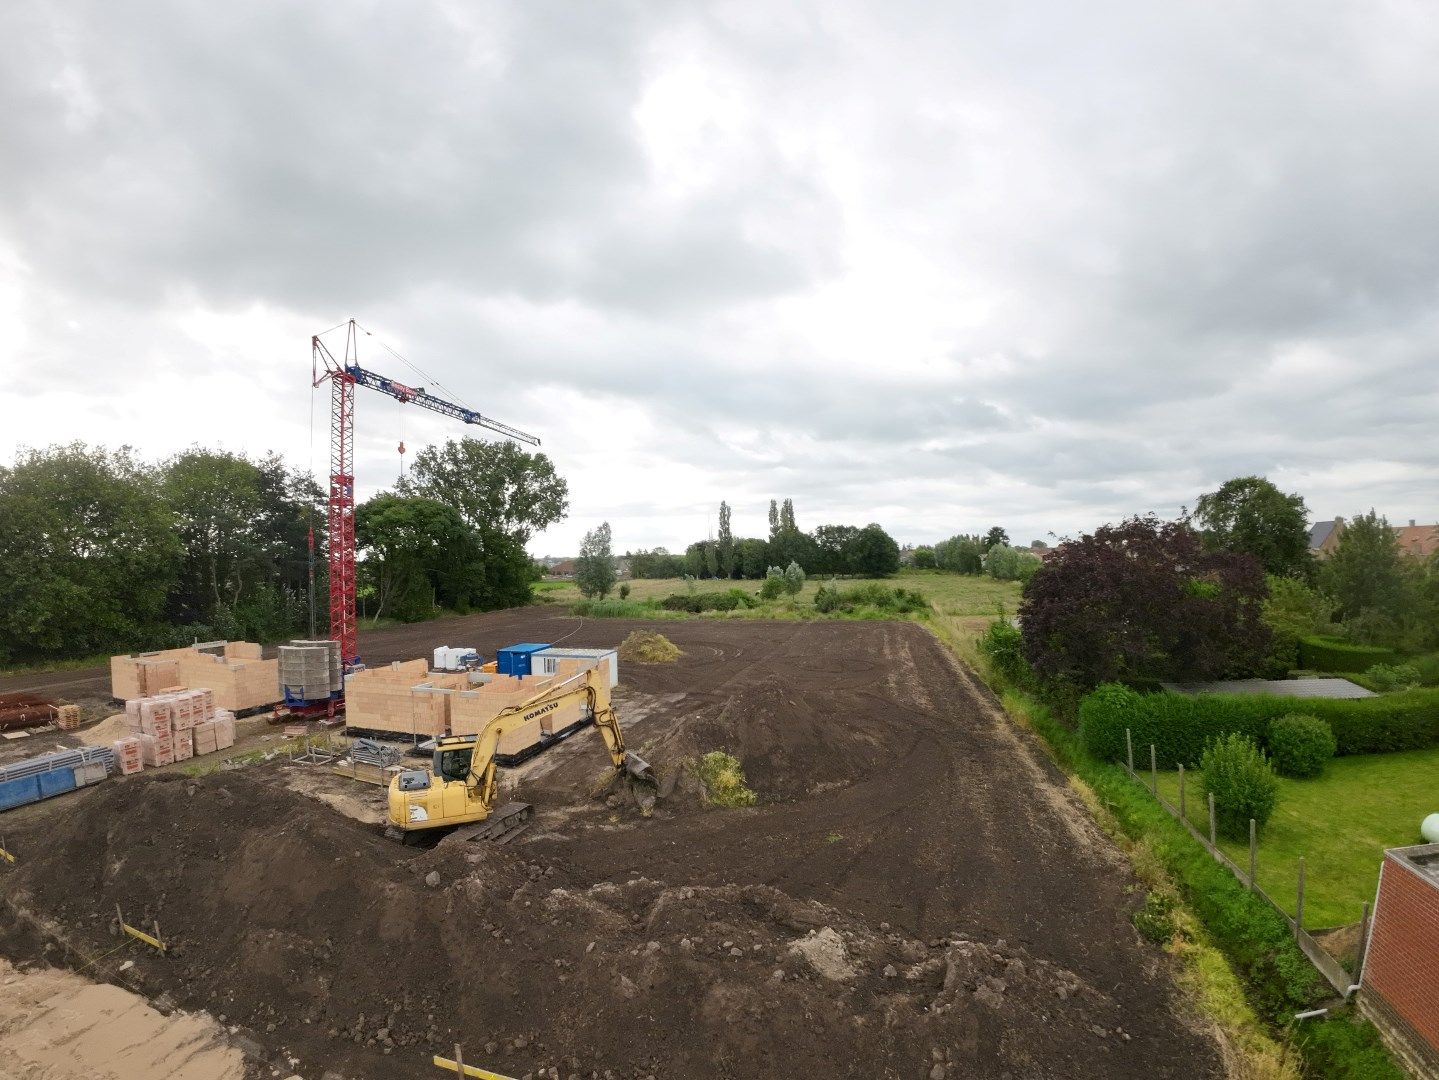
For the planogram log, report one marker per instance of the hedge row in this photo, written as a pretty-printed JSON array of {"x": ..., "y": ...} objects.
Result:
[
  {"x": 1179, "y": 725},
  {"x": 1332, "y": 654}
]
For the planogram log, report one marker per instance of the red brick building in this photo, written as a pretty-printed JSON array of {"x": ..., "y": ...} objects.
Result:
[{"x": 1400, "y": 982}]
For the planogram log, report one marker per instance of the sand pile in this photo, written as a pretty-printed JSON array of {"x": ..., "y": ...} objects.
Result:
[{"x": 348, "y": 952}]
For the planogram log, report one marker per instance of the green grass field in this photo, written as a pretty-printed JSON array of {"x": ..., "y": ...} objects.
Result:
[
  {"x": 952, "y": 594},
  {"x": 1341, "y": 822}
]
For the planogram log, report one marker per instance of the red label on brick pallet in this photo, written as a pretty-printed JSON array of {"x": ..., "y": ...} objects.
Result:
[
  {"x": 156, "y": 749},
  {"x": 127, "y": 755}
]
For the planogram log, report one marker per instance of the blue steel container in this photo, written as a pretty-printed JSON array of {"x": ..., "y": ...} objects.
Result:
[
  {"x": 515, "y": 659},
  {"x": 56, "y": 783},
  {"x": 15, "y": 793}
]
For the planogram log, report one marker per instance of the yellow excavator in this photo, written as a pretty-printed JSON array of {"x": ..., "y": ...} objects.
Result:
[{"x": 460, "y": 788}]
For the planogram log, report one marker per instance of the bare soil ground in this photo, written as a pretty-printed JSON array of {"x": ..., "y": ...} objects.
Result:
[{"x": 916, "y": 894}]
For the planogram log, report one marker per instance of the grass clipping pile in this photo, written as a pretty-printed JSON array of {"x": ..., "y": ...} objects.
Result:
[
  {"x": 648, "y": 647},
  {"x": 333, "y": 949}
]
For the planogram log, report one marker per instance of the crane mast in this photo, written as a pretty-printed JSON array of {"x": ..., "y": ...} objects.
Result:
[{"x": 340, "y": 506}]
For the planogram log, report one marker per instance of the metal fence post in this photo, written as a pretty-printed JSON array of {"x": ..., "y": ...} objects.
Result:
[
  {"x": 1299, "y": 902},
  {"x": 1153, "y": 772},
  {"x": 1213, "y": 836},
  {"x": 1253, "y": 841},
  {"x": 1129, "y": 746},
  {"x": 1183, "y": 813}
]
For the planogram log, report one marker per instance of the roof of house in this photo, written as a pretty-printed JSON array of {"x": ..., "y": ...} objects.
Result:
[
  {"x": 1302, "y": 688},
  {"x": 1319, "y": 532},
  {"x": 1420, "y": 541}
]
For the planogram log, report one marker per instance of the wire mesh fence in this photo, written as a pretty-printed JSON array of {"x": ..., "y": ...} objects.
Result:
[{"x": 1327, "y": 966}]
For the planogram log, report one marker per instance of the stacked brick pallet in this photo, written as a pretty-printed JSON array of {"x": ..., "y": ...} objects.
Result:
[
  {"x": 234, "y": 670},
  {"x": 174, "y": 727}
]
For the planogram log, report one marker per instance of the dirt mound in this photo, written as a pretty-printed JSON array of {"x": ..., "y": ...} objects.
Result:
[
  {"x": 790, "y": 742},
  {"x": 332, "y": 946},
  {"x": 648, "y": 647}
]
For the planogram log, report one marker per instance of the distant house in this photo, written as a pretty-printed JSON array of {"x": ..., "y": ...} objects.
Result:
[
  {"x": 565, "y": 568},
  {"x": 1040, "y": 549},
  {"x": 1417, "y": 541},
  {"x": 1324, "y": 537}
]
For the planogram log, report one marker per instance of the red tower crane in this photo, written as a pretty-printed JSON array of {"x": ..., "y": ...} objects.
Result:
[{"x": 343, "y": 378}]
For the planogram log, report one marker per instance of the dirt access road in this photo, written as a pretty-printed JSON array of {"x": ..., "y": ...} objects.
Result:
[{"x": 917, "y": 894}]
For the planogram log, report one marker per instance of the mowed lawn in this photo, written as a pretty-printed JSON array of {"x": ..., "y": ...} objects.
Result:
[
  {"x": 1341, "y": 822},
  {"x": 953, "y": 594}
]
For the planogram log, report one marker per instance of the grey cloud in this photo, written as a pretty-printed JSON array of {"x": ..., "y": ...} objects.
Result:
[{"x": 1122, "y": 224}]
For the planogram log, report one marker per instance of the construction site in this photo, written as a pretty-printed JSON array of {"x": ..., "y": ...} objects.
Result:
[
  {"x": 562, "y": 848},
  {"x": 914, "y": 893}
]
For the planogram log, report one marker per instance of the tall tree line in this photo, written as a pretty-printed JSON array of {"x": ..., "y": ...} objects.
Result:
[
  {"x": 103, "y": 552},
  {"x": 829, "y": 549}
]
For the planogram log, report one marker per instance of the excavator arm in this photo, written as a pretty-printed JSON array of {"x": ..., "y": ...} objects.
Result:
[
  {"x": 592, "y": 685},
  {"x": 462, "y": 786}
]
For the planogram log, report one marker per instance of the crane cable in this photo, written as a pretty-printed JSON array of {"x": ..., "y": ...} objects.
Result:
[{"x": 415, "y": 368}]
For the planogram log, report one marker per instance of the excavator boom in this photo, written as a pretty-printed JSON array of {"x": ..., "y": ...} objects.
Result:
[{"x": 460, "y": 789}]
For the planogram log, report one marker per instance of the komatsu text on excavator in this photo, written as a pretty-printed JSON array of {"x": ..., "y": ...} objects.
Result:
[{"x": 460, "y": 788}]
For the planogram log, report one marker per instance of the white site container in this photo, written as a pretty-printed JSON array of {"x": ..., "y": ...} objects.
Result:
[
  {"x": 447, "y": 658},
  {"x": 547, "y": 661}
]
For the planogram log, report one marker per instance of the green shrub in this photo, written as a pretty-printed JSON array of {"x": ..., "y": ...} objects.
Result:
[
  {"x": 1300, "y": 745},
  {"x": 1428, "y": 669},
  {"x": 625, "y": 591},
  {"x": 1283, "y": 656},
  {"x": 1003, "y": 646},
  {"x": 793, "y": 578},
  {"x": 1179, "y": 725},
  {"x": 871, "y": 597},
  {"x": 1387, "y": 677},
  {"x": 723, "y": 780},
  {"x": 615, "y": 609},
  {"x": 774, "y": 584},
  {"x": 1334, "y": 654},
  {"x": 696, "y": 602},
  {"x": 1243, "y": 783}
]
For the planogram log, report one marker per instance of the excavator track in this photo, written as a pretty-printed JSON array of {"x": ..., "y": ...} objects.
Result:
[{"x": 500, "y": 827}]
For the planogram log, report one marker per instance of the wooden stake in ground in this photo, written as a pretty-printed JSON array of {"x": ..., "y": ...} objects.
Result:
[
  {"x": 1299, "y": 902},
  {"x": 1213, "y": 835},
  {"x": 1253, "y": 851}
]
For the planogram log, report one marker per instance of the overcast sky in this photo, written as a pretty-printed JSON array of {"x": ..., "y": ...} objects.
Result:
[{"x": 938, "y": 266}]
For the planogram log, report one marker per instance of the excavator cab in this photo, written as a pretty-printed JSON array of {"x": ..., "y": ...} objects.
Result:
[{"x": 453, "y": 763}]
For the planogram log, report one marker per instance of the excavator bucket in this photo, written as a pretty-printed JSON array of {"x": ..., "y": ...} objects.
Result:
[{"x": 639, "y": 768}]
